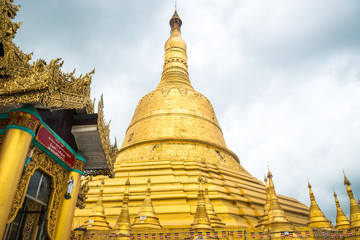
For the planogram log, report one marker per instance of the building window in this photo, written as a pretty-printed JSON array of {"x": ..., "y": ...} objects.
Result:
[{"x": 34, "y": 206}]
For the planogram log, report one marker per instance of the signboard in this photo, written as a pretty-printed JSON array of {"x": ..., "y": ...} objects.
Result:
[
  {"x": 142, "y": 217},
  {"x": 49, "y": 141}
]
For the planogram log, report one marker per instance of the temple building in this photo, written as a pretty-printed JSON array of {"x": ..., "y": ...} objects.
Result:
[
  {"x": 50, "y": 137},
  {"x": 173, "y": 137}
]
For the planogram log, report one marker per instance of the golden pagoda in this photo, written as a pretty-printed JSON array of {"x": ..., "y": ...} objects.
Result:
[
  {"x": 214, "y": 219},
  {"x": 123, "y": 225},
  {"x": 201, "y": 220},
  {"x": 173, "y": 135},
  {"x": 97, "y": 220},
  {"x": 317, "y": 218},
  {"x": 354, "y": 207},
  {"x": 265, "y": 216},
  {"x": 277, "y": 220},
  {"x": 146, "y": 217},
  {"x": 341, "y": 220}
]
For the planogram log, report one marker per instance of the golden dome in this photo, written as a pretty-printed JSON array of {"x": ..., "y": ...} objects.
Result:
[{"x": 175, "y": 114}]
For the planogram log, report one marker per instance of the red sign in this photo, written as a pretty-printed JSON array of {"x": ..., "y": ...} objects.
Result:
[{"x": 48, "y": 140}]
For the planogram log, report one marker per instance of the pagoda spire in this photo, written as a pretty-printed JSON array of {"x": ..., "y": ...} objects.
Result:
[
  {"x": 175, "y": 69},
  {"x": 97, "y": 220},
  {"x": 354, "y": 207},
  {"x": 215, "y": 221},
  {"x": 201, "y": 219},
  {"x": 317, "y": 218},
  {"x": 341, "y": 220},
  {"x": 265, "y": 216},
  {"x": 123, "y": 225},
  {"x": 146, "y": 217},
  {"x": 277, "y": 220}
]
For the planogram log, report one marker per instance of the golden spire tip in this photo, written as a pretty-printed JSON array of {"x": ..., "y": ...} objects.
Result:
[
  {"x": 346, "y": 181},
  {"x": 309, "y": 185}
]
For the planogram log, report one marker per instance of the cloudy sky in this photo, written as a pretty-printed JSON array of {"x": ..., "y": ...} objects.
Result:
[{"x": 282, "y": 75}]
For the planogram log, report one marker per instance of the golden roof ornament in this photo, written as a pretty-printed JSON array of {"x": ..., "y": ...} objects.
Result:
[
  {"x": 38, "y": 83},
  {"x": 201, "y": 219},
  {"x": 123, "y": 225},
  {"x": 12, "y": 60},
  {"x": 354, "y": 207},
  {"x": 146, "y": 217},
  {"x": 317, "y": 218},
  {"x": 215, "y": 221},
  {"x": 341, "y": 220},
  {"x": 97, "y": 220},
  {"x": 265, "y": 216},
  {"x": 277, "y": 220}
]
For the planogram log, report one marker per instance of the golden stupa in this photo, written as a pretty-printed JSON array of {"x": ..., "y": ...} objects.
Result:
[{"x": 174, "y": 134}]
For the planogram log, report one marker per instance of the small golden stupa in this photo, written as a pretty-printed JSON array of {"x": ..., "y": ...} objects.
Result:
[
  {"x": 341, "y": 219},
  {"x": 146, "y": 217},
  {"x": 123, "y": 225},
  {"x": 354, "y": 207},
  {"x": 97, "y": 219},
  {"x": 277, "y": 220},
  {"x": 201, "y": 220},
  {"x": 317, "y": 218}
]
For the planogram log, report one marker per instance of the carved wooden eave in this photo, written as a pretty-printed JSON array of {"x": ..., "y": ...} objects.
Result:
[
  {"x": 92, "y": 136},
  {"x": 45, "y": 86}
]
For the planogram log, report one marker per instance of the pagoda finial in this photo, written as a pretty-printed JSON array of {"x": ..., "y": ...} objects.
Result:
[
  {"x": 175, "y": 69},
  {"x": 354, "y": 207},
  {"x": 214, "y": 220},
  {"x": 317, "y": 218},
  {"x": 341, "y": 220},
  {"x": 269, "y": 175},
  {"x": 201, "y": 219},
  {"x": 175, "y": 21},
  {"x": 97, "y": 220},
  {"x": 148, "y": 191},
  {"x": 346, "y": 181},
  {"x": 146, "y": 218},
  {"x": 123, "y": 225}
]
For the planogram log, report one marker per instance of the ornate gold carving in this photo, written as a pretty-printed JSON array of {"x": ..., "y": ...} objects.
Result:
[
  {"x": 79, "y": 165},
  {"x": 13, "y": 60},
  {"x": 48, "y": 85},
  {"x": 24, "y": 119},
  {"x": 96, "y": 172},
  {"x": 38, "y": 82},
  {"x": 41, "y": 161},
  {"x": 84, "y": 189},
  {"x": 110, "y": 150},
  {"x": 31, "y": 219}
]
